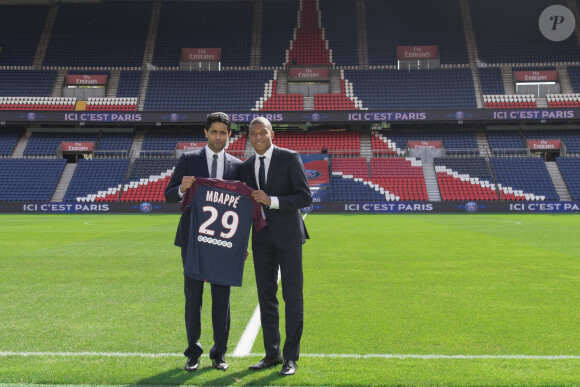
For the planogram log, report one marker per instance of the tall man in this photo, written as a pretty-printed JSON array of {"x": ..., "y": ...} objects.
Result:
[
  {"x": 211, "y": 161},
  {"x": 281, "y": 186}
]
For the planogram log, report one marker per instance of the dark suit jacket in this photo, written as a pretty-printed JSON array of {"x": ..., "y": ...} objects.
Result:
[
  {"x": 287, "y": 180},
  {"x": 194, "y": 164}
]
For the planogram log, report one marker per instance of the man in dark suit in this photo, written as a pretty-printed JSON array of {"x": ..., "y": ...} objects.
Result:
[
  {"x": 281, "y": 186},
  {"x": 211, "y": 161}
]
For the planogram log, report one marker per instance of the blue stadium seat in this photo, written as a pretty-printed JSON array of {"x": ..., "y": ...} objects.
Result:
[
  {"x": 415, "y": 89},
  {"x": 8, "y": 140},
  {"x": 528, "y": 174},
  {"x": 205, "y": 90},
  {"x": 103, "y": 34},
  {"x": 198, "y": 28},
  {"x": 20, "y": 30},
  {"x": 92, "y": 176},
  {"x": 47, "y": 143},
  {"x": 415, "y": 23},
  {"x": 570, "y": 169},
  {"x": 29, "y": 179},
  {"x": 507, "y": 32},
  {"x": 27, "y": 83}
]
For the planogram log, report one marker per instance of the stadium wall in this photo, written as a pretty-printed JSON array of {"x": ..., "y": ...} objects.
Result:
[
  {"x": 322, "y": 207},
  {"x": 427, "y": 115}
]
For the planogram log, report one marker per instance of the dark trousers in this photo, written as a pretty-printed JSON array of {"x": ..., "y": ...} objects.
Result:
[
  {"x": 220, "y": 314},
  {"x": 267, "y": 258}
]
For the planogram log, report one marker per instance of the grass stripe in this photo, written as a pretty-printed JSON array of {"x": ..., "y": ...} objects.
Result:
[{"x": 313, "y": 355}]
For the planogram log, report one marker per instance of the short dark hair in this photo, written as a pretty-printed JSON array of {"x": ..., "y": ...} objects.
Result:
[{"x": 218, "y": 117}]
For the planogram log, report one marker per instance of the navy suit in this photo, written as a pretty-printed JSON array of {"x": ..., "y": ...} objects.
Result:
[
  {"x": 195, "y": 164},
  {"x": 280, "y": 245}
]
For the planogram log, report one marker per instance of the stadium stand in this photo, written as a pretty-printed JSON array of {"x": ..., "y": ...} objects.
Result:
[
  {"x": 18, "y": 39},
  {"x": 505, "y": 142},
  {"x": 114, "y": 144},
  {"x": 104, "y": 34},
  {"x": 339, "y": 26},
  {"x": 347, "y": 188},
  {"x": 205, "y": 90},
  {"x": 26, "y": 83},
  {"x": 309, "y": 46},
  {"x": 111, "y": 104},
  {"x": 38, "y": 103},
  {"x": 570, "y": 138},
  {"x": 574, "y": 74},
  {"x": 523, "y": 178},
  {"x": 129, "y": 84},
  {"x": 29, "y": 179},
  {"x": 47, "y": 143},
  {"x": 570, "y": 169},
  {"x": 519, "y": 42},
  {"x": 381, "y": 145},
  {"x": 163, "y": 143},
  {"x": 402, "y": 177},
  {"x": 8, "y": 140},
  {"x": 353, "y": 166},
  {"x": 454, "y": 142},
  {"x": 509, "y": 101},
  {"x": 200, "y": 27},
  {"x": 278, "y": 22},
  {"x": 337, "y": 143},
  {"x": 283, "y": 102},
  {"x": 237, "y": 144},
  {"x": 97, "y": 180},
  {"x": 110, "y": 36},
  {"x": 465, "y": 178},
  {"x": 415, "y": 23},
  {"x": 333, "y": 101},
  {"x": 414, "y": 89},
  {"x": 491, "y": 81},
  {"x": 148, "y": 180},
  {"x": 563, "y": 100}
]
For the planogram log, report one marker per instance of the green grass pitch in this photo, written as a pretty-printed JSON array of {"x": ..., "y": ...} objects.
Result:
[{"x": 86, "y": 299}]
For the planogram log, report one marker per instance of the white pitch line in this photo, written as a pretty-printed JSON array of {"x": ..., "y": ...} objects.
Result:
[
  {"x": 246, "y": 342},
  {"x": 312, "y": 355},
  {"x": 248, "y": 338}
]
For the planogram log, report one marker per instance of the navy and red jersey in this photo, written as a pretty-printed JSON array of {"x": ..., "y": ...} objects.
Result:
[{"x": 221, "y": 217}]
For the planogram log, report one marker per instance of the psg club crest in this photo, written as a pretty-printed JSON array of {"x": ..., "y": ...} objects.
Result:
[
  {"x": 459, "y": 115},
  {"x": 146, "y": 207},
  {"x": 316, "y": 117},
  {"x": 471, "y": 207},
  {"x": 174, "y": 117},
  {"x": 31, "y": 116},
  {"x": 307, "y": 209},
  {"x": 312, "y": 174}
]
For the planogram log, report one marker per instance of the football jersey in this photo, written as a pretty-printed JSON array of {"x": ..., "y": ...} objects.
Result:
[{"x": 221, "y": 217}]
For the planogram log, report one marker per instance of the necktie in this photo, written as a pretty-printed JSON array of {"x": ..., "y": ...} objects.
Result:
[
  {"x": 214, "y": 167},
  {"x": 262, "y": 174}
]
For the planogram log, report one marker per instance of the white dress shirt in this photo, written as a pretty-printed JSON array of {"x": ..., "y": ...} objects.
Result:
[
  {"x": 221, "y": 160},
  {"x": 275, "y": 205}
]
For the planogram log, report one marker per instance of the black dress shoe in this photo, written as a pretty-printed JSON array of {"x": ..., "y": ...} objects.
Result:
[
  {"x": 192, "y": 364},
  {"x": 267, "y": 362},
  {"x": 289, "y": 368},
  {"x": 219, "y": 363}
]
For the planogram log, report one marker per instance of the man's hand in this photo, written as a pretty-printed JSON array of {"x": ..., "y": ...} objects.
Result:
[
  {"x": 261, "y": 197},
  {"x": 186, "y": 182},
  {"x": 247, "y": 253}
]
